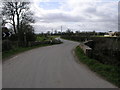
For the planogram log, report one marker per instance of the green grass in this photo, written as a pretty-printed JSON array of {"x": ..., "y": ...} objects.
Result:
[
  {"x": 41, "y": 38},
  {"x": 69, "y": 39},
  {"x": 54, "y": 36},
  {"x": 15, "y": 51},
  {"x": 109, "y": 72},
  {"x": 98, "y": 36}
]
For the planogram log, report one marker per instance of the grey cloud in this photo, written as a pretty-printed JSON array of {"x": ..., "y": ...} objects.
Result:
[
  {"x": 105, "y": 15},
  {"x": 90, "y": 10},
  {"x": 107, "y": 19},
  {"x": 60, "y": 17}
]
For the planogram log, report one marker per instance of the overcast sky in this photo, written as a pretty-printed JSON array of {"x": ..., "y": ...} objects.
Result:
[{"x": 82, "y": 15}]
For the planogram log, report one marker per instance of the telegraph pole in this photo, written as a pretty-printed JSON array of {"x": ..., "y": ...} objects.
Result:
[
  {"x": 79, "y": 26},
  {"x": 61, "y": 30},
  {"x": 52, "y": 31},
  {"x": 25, "y": 40}
]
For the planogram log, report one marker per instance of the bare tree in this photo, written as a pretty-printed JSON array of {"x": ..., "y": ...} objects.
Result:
[
  {"x": 8, "y": 13},
  {"x": 19, "y": 15},
  {"x": 15, "y": 10},
  {"x": 21, "y": 8}
]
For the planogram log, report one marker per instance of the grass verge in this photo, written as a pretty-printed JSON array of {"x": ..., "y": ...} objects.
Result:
[
  {"x": 109, "y": 72},
  {"x": 15, "y": 51},
  {"x": 54, "y": 36}
]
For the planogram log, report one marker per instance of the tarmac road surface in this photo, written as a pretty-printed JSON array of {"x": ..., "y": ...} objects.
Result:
[{"x": 50, "y": 67}]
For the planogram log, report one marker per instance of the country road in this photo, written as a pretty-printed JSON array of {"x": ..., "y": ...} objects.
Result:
[{"x": 50, "y": 67}]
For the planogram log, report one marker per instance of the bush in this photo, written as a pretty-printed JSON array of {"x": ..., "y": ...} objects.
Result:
[
  {"x": 6, "y": 45},
  {"x": 55, "y": 41}
]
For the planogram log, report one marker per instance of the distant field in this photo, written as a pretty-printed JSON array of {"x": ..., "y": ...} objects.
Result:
[{"x": 43, "y": 38}]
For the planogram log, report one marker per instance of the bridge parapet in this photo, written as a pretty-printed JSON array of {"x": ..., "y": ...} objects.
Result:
[{"x": 86, "y": 49}]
